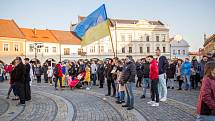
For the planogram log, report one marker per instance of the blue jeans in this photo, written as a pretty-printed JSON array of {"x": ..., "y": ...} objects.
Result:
[
  {"x": 146, "y": 82},
  {"x": 162, "y": 88},
  {"x": 187, "y": 84},
  {"x": 205, "y": 118},
  {"x": 121, "y": 96},
  {"x": 130, "y": 96},
  {"x": 94, "y": 78}
]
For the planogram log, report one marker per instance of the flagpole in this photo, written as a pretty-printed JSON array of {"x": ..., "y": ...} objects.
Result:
[{"x": 111, "y": 40}]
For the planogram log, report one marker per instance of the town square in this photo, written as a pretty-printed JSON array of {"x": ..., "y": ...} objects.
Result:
[{"x": 107, "y": 60}]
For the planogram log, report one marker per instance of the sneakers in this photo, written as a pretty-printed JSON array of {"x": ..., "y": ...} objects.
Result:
[
  {"x": 155, "y": 104},
  {"x": 130, "y": 108},
  {"x": 163, "y": 99},
  {"x": 151, "y": 102}
]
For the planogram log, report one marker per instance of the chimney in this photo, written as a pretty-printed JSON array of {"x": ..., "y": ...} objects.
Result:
[{"x": 35, "y": 31}]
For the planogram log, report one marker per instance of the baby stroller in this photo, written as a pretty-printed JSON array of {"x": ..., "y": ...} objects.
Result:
[{"x": 76, "y": 82}]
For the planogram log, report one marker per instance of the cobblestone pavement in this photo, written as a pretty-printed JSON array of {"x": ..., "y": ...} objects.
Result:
[{"x": 48, "y": 104}]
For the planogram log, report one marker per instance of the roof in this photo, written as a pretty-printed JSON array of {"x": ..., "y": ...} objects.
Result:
[
  {"x": 179, "y": 43},
  {"x": 126, "y": 21},
  {"x": 37, "y": 35},
  {"x": 8, "y": 28},
  {"x": 210, "y": 39},
  {"x": 66, "y": 37}
]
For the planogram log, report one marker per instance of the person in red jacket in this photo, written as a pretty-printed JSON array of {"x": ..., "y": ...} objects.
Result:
[
  {"x": 58, "y": 74},
  {"x": 206, "y": 101},
  {"x": 154, "y": 76}
]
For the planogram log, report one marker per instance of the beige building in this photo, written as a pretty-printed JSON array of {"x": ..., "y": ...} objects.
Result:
[
  {"x": 12, "y": 41},
  {"x": 209, "y": 44},
  {"x": 138, "y": 38}
]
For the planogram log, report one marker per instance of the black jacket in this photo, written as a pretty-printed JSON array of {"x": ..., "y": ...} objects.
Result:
[
  {"x": 108, "y": 70},
  {"x": 19, "y": 73},
  {"x": 100, "y": 71},
  {"x": 139, "y": 70},
  {"x": 170, "y": 72},
  {"x": 162, "y": 64},
  {"x": 146, "y": 69},
  {"x": 129, "y": 72},
  {"x": 27, "y": 72}
]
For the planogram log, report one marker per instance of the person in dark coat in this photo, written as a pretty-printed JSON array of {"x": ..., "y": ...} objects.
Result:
[
  {"x": 128, "y": 78},
  {"x": 27, "y": 80},
  {"x": 45, "y": 69},
  {"x": 139, "y": 73},
  {"x": 146, "y": 80},
  {"x": 100, "y": 71},
  {"x": 109, "y": 76},
  {"x": 19, "y": 80},
  {"x": 170, "y": 72},
  {"x": 38, "y": 72}
]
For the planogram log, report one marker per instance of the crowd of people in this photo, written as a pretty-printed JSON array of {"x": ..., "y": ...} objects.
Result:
[{"x": 156, "y": 73}]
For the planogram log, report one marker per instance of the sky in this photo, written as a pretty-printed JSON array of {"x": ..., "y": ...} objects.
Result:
[{"x": 190, "y": 18}]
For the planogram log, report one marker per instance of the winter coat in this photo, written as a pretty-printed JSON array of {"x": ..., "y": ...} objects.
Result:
[
  {"x": 93, "y": 69},
  {"x": 129, "y": 72},
  {"x": 186, "y": 68},
  {"x": 108, "y": 70},
  {"x": 139, "y": 70},
  {"x": 202, "y": 68},
  {"x": 146, "y": 69},
  {"x": 38, "y": 71},
  {"x": 50, "y": 73},
  {"x": 162, "y": 64},
  {"x": 87, "y": 76},
  {"x": 100, "y": 71},
  {"x": 27, "y": 72},
  {"x": 60, "y": 74},
  {"x": 170, "y": 72},
  {"x": 206, "y": 100},
  {"x": 154, "y": 72},
  {"x": 19, "y": 73}
]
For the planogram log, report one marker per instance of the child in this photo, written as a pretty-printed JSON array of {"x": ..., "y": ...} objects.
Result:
[
  {"x": 87, "y": 77},
  {"x": 154, "y": 76},
  {"x": 50, "y": 75}
]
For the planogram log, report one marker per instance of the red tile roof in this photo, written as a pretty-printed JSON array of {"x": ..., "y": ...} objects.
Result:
[
  {"x": 8, "y": 28},
  {"x": 37, "y": 35},
  {"x": 66, "y": 37}
]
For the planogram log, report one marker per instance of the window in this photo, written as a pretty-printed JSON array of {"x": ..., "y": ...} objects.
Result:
[
  {"x": 31, "y": 47},
  {"x": 179, "y": 52},
  {"x": 148, "y": 50},
  {"x": 147, "y": 38},
  {"x": 130, "y": 50},
  {"x": 163, "y": 38},
  {"x": 141, "y": 37},
  {"x": 184, "y": 52},
  {"x": 6, "y": 47},
  {"x": 66, "y": 51},
  {"x": 110, "y": 50},
  {"x": 54, "y": 49},
  {"x": 174, "y": 53},
  {"x": 158, "y": 48},
  {"x": 123, "y": 38},
  {"x": 123, "y": 50},
  {"x": 46, "y": 49},
  {"x": 141, "y": 49},
  {"x": 102, "y": 49},
  {"x": 16, "y": 47},
  {"x": 129, "y": 37},
  {"x": 157, "y": 38},
  {"x": 164, "y": 49},
  {"x": 38, "y": 50}
]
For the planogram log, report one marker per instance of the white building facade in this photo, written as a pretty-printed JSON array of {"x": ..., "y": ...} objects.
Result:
[
  {"x": 138, "y": 38},
  {"x": 179, "y": 47}
]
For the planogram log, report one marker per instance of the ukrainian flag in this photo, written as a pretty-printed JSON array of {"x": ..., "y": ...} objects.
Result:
[{"x": 94, "y": 27}]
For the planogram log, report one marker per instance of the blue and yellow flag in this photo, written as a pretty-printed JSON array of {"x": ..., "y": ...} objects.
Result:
[{"x": 94, "y": 27}]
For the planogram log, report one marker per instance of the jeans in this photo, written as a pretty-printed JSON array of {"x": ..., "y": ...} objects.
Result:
[
  {"x": 94, "y": 77},
  {"x": 130, "y": 96},
  {"x": 154, "y": 89},
  {"x": 56, "y": 80},
  {"x": 122, "y": 96},
  {"x": 170, "y": 82},
  {"x": 205, "y": 118},
  {"x": 187, "y": 84},
  {"x": 162, "y": 89},
  {"x": 109, "y": 83},
  {"x": 146, "y": 82}
]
